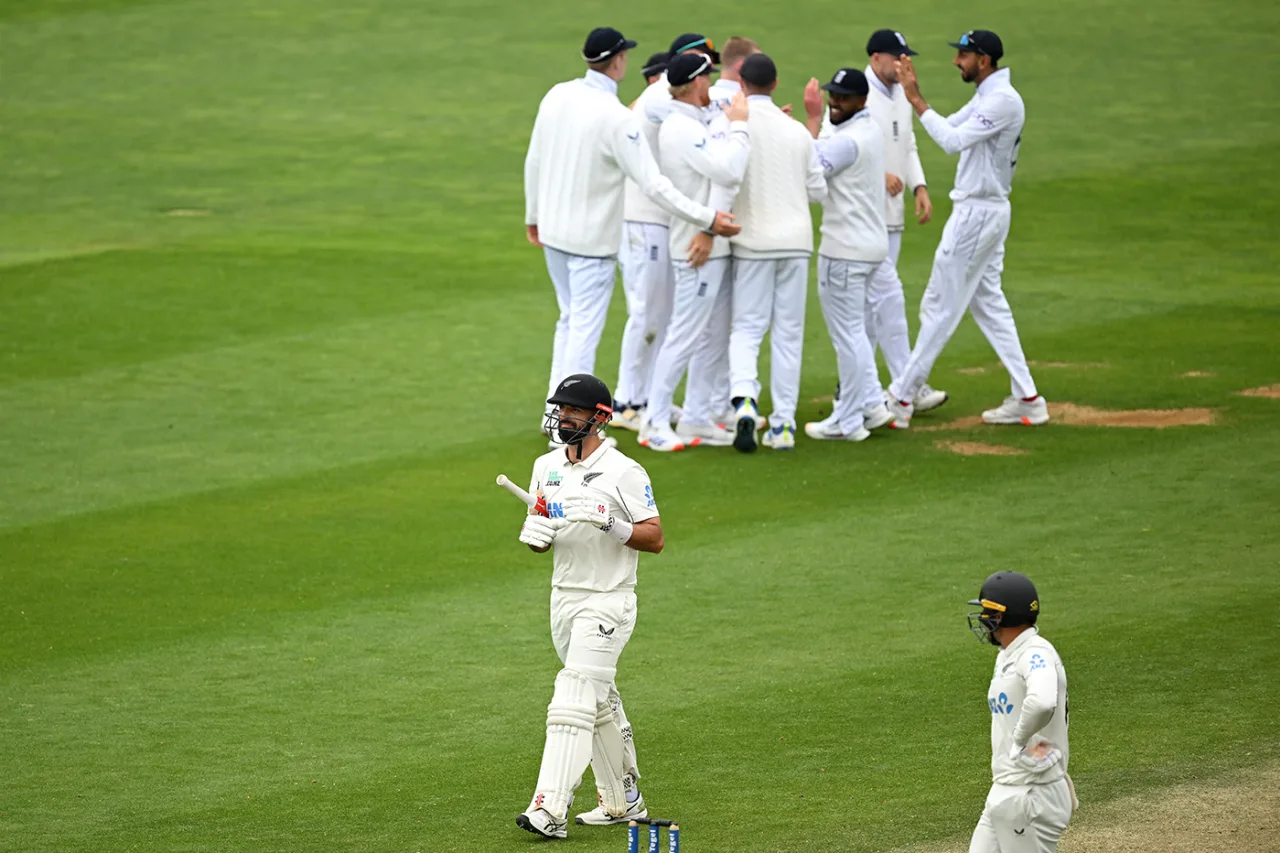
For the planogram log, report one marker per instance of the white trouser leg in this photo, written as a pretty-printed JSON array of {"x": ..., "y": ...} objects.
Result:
[
  {"x": 969, "y": 240},
  {"x": 710, "y": 360},
  {"x": 842, "y": 291},
  {"x": 659, "y": 302},
  {"x": 887, "y": 311},
  {"x": 786, "y": 338},
  {"x": 1023, "y": 819},
  {"x": 695, "y": 298},
  {"x": 752, "y": 314},
  {"x": 558, "y": 269},
  {"x": 590, "y": 289},
  {"x": 991, "y": 312},
  {"x": 646, "y": 282}
]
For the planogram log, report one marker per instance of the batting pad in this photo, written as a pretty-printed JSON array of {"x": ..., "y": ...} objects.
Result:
[
  {"x": 571, "y": 719},
  {"x": 608, "y": 760}
]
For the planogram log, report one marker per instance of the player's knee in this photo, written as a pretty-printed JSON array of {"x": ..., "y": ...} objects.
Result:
[{"x": 574, "y": 701}]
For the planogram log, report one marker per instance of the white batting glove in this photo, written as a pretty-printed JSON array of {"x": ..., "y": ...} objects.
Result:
[
  {"x": 588, "y": 510},
  {"x": 1036, "y": 757},
  {"x": 540, "y": 531}
]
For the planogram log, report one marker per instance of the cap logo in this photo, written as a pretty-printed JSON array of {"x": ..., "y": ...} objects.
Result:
[
  {"x": 1035, "y": 606},
  {"x": 901, "y": 40},
  {"x": 840, "y": 76},
  {"x": 569, "y": 382},
  {"x": 964, "y": 39}
]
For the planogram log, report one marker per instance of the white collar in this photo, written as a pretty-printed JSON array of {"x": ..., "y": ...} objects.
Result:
[
  {"x": 759, "y": 98},
  {"x": 731, "y": 85},
  {"x": 690, "y": 110},
  {"x": 604, "y": 82},
  {"x": 874, "y": 80},
  {"x": 596, "y": 455},
  {"x": 997, "y": 79}
]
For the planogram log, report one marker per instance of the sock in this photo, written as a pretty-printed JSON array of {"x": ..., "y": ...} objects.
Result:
[{"x": 1031, "y": 399}]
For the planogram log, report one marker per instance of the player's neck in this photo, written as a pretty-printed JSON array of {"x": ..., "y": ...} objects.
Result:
[
  {"x": 983, "y": 74},
  {"x": 578, "y": 452},
  {"x": 1006, "y": 636},
  {"x": 887, "y": 84}
]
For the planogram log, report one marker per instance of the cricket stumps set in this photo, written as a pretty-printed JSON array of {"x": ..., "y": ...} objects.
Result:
[{"x": 655, "y": 825}]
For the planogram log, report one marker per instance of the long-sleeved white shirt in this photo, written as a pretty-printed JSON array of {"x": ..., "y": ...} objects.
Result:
[
  {"x": 892, "y": 111},
  {"x": 650, "y": 108},
  {"x": 783, "y": 177},
  {"x": 697, "y": 158},
  {"x": 986, "y": 132},
  {"x": 852, "y": 159},
  {"x": 584, "y": 143},
  {"x": 1028, "y": 702}
]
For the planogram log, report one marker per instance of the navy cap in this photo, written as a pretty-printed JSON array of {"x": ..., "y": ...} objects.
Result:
[
  {"x": 980, "y": 41},
  {"x": 888, "y": 41},
  {"x": 695, "y": 41},
  {"x": 656, "y": 64},
  {"x": 848, "y": 81},
  {"x": 759, "y": 70},
  {"x": 687, "y": 67},
  {"x": 603, "y": 43}
]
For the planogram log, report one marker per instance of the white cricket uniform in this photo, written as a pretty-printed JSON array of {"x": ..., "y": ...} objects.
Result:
[
  {"x": 1026, "y": 810},
  {"x": 593, "y": 600},
  {"x": 585, "y": 142},
  {"x": 706, "y": 157},
  {"x": 771, "y": 256},
  {"x": 647, "y": 281},
  {"x": 970, "y": 258},
  {"x": 854, "y": 243}
]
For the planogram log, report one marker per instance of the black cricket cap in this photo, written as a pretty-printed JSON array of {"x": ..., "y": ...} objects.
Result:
[
  {"x": 759, "y": 70},
  {"x": 604, "y": 43},
  {"x": 849, "y": 81},
  {"x": 695, "y": 41},
  {"x": 984, "y": 42},
  {"x": 655, "y": 64},
  {"x": 687, "y": 67},
  {"x": 888, "y": 41},
  {"x": 583, "y": 391}
]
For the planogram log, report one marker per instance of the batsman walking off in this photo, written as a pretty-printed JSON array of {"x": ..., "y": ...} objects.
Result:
[
  {"x": 968, "y": 264},
  {"x": 1032, "y": 797},
  {"x": 599, "y": 515}
]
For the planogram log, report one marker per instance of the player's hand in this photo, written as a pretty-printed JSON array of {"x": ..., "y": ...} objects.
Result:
[
  {"x": 1037, "y": 756},
  {"x": 813, "y": 98},
  {"x": 738, "y": 109},
  {"x": 892, "y": 184},
  {"x": 586, "y": 510},
  {"x": 539, "y": 531},
  {"x": 924, "y": 206},
  {"x": 531, "y": 234},
  {"x": 787, "y": 108},
  {"x": 700, "y": 249},
  {"x": 724, "y": 225},
  {"x": 907, "y": 79}
]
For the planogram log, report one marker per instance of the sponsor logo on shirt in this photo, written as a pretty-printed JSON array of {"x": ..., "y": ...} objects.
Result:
[
  {"x": 1000, "y": 704},
  {"x": 555, "y": 510},
  {"x": 553, "y": 479},
  {"x": 607, "y": 633},
  {"x": 1037, "y": 662},
  {"x": 648, "y": 495}
]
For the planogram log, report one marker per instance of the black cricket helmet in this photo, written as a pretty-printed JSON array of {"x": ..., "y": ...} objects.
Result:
[
  {"x": 1008, "y": 600},
  {"x": 579, "y": 391}
]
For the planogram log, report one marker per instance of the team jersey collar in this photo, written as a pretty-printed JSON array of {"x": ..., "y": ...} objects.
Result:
[
  {"x": 596, "y": 80},
  {"x": 727, "y": 85},
  {"x": 596, "y": 455},
  {"x": 759, "y": 98},
  {"x": 690, "y": 110},
  {"x": 874, "y": 80},
  {"x": 1023, "y": 638},
  {"x": 997, "y": 80}
]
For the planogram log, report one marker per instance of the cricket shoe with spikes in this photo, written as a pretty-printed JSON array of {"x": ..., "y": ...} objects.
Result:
[
  {"x": 829, "y": 430},
  {"x": 704, "y": 435},
  {"x": 629, "y": 419},
  {"x": 928, "y": 398},
  {"x": 539, "y": 821},
  {"x": 901, "y": 412},
  {"x": 746, "y": 419},
  {"x": 1032, "y": 412},
  {"x": 662, "y": 438},
  {"x": 599, "y": 817},
  {"x": 780, "y": 438},
  {"x": 875, "y": 417}
]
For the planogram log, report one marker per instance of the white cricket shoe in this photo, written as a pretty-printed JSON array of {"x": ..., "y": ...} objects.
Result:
[
  {"x": 829, "y": 430},
  {"x": 746, "y": 421},
  {"x": 628, "y": 419},
  {"x": 874, "y": 417},
  {"x": 711, "y": 435},
  {"x": 901, "y": 413},
  {"x": 541, "y": 822},
  {"x": 729, "y": 417},
  {"x": 928, "y": 398},
  {"x": 780, "y": 438},
  {"x": 599, "y": 817},
  {"x": 661, "y": 438},
  {"x": 1015, "y": 411}
]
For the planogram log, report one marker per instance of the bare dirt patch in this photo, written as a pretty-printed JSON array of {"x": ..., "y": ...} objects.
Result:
[
  {"x": 1073, "y": 415},
  {"x": 971, "y": 371},
  {"x": 1069, "y": 365},
  {"x": 977, "y": 448},
  {"x": 188, "y": 211},
  {"x": 959, "y": 423},
  {"x": 1271, "y": 392},
  {"x": 1240, "y": 814},
  {"x": 1198, "y": 374}
]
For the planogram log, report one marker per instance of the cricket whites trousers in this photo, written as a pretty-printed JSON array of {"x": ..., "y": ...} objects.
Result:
[
  {"x": 769, "y": 296},
  {"x": 697, "y": 339},
  {"x": 647, "y": 284},
  {"x": 1023, "y": 818},
  {"x": 584, "y": 287},
  {"x": 842, "y": 291},
  {"x": 966, "y": 276}
]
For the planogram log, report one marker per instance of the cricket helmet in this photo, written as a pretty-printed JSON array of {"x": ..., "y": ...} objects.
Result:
[
  {"x": 579, "y": 391},
  {"x": 1008, "y": 600}
]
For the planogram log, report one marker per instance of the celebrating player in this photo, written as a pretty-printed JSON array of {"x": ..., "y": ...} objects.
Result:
[
  {"x": 771, "y": 260},
  {"x": 854, "y": 242},
  {"x": 967, "y": 266},
  {"x": 599, "y": 514},
  {"x": 1031, "y": 798},
  {"x": 584, "y": 142}
]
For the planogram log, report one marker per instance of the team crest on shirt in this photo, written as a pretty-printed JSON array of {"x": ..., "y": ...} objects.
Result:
[
  {"x": 1037, "y": 662},
  {"x": 648, "y": 495}
]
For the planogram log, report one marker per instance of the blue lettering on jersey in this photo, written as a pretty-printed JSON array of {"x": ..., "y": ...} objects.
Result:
[
  {"x": 648, "y": 495},
  {"x": 555, "y": 510},
  {"x": 1037, "y": 662},
  {"x": 1000, "y": 704}
]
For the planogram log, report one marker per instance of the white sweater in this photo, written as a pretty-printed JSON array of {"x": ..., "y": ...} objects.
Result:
[
  {"x": 894, "y": 114},
  {"x": 696, "y": 156},
  {"x": 650, "y": 108},
  {"x": 783, "y": 176},
  {"x": 853, "y": 226},
  {"x": 585, "y": 141}
]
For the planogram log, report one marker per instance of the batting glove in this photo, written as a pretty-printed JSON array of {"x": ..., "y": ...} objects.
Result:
[
  {"x": 588, "y": 510},
  {"x": 540, "y": 531}
]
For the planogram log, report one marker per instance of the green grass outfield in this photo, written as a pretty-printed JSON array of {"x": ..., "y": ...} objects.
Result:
[{"x": 258, "y": 591}]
